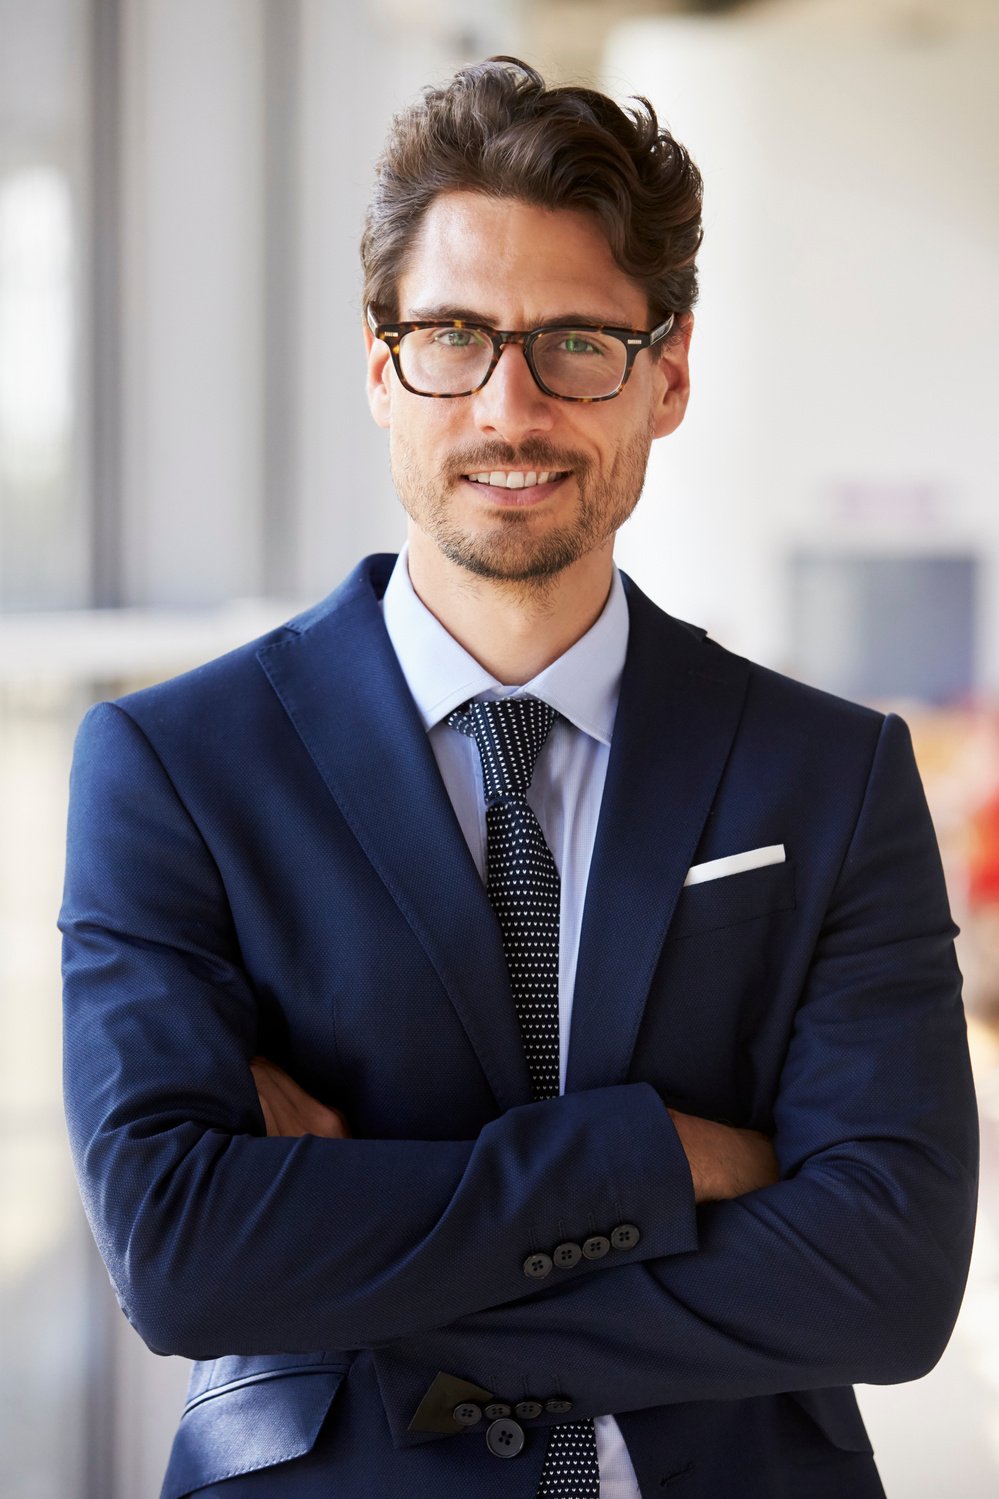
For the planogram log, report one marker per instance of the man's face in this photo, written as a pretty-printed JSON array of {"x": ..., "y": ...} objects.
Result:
[{"x": 515, "y": 266}]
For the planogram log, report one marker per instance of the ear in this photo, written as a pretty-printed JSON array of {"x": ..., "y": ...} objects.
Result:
[
  {"x": 379, "y": 378},
  {"x": 674, "y": 367}
]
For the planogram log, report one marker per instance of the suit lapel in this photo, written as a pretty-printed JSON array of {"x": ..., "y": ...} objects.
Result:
[
  {"x": 680, "y": 703},
  {"x": 338, "y": 678}
]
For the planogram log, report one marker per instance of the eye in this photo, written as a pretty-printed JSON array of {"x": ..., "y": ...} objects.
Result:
[
  {"x": 456, "y": 338},
  {"x": 578, "y": 343}
]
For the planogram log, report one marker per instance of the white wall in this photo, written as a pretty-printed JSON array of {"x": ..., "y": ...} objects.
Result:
[
  {"x": 844, "y": 374},
  {"x": 192, "y": 299}
]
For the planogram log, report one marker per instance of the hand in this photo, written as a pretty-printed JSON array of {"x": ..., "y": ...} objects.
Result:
[
  {"x": 724, "y": 1161},
  {"x": 288, "y": 1110}
]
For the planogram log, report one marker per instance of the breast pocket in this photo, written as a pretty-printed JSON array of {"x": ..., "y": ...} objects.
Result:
[
  {"x": 264, "y": 1417},
  {"x": 733, "y": 899}
]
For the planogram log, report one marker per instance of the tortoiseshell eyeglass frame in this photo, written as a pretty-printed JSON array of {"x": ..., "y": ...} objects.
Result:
[{"x": 634, "y": 340}]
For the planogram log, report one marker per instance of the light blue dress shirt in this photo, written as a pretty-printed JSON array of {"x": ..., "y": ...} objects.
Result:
[{"x": 565, "y": 793}]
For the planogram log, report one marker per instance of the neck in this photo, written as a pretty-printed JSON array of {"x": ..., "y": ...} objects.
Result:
[{"x": 512, "y": 628}]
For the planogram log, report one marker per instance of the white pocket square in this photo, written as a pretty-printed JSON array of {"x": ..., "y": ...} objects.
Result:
[{"x": 753, "y": 858}]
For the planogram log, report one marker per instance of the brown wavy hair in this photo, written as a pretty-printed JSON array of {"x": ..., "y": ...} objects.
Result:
[{"x": 495, "y": 128}]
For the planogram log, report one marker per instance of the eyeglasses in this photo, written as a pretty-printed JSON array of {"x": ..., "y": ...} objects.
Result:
[{"x": 456, "y": 358}]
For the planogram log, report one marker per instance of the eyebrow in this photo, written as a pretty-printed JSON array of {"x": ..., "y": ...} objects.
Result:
[{"x": 445, "y": 313}]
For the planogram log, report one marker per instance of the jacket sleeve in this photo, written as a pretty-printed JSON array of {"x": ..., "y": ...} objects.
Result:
[
  {"x": 221, "y": 1241},
  {"x": 852, "y": 1267}
]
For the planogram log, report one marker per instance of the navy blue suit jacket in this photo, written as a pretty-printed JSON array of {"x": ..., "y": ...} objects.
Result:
[{"x": 263, "y": 858}]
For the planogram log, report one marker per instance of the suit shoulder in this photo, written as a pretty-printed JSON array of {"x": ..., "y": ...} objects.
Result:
[
  {"x": 204, "y": 687},
  {"x": 674, "y": 644},
  {"x": 228, "y": 684},
  {"x": 814, "y": 719},
  {"x": 794, "y": 696}
]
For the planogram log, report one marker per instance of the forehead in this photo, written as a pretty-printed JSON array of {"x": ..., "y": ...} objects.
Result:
[{"x": 514, "y": 265}]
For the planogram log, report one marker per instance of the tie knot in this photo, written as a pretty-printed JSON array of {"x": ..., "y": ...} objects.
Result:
[{"x": 510, "y": 734}]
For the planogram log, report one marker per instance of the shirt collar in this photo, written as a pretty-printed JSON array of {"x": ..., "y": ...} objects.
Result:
[{"x": 583, "y": 684}]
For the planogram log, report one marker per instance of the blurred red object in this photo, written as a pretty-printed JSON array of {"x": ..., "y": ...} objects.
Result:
[{"x": 983, "y": 855}]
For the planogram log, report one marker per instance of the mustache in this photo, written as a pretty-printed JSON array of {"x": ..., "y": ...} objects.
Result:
[{"x": 533, "y": 453}]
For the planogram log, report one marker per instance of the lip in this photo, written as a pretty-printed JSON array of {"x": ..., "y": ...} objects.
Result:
[{"x": 514, "y": 499}]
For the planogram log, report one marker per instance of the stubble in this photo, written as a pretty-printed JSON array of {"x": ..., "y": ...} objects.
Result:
[{"x": 508, "y": 551}]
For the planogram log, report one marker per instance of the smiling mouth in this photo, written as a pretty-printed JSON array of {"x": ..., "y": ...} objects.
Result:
[{"x": 517, "y": 478}]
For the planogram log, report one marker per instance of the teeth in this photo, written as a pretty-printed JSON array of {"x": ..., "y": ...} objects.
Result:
[{"x": 514, "y": 479}]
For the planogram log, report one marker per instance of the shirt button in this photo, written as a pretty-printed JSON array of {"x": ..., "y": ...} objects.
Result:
[
  {"x": 498, "y": 1409},
  {"x": 537, "y": 1266},
  {"x": 505, "y": 1438},
  {"x": 558, "y": 1407},
  {"x": 566, "y": 1255},
  {"x": 528, "y": 1410},
  {"x": 625, "y": 1236},
  {"x": 466, "y": 1414},
  {"x": 595, "y": 1247}
]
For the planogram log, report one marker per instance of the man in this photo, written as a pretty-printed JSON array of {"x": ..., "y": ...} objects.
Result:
[{"x": 513, "y": 1044}]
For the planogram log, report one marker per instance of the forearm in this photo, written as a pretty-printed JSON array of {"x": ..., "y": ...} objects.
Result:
[
  {"x": 851, "y": 1272},
  {"x": 220, "y": 1241}
]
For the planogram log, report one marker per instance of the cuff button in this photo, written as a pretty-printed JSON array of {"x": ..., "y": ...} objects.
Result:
[
  {"x": 625, "y": 1236},
  {"x": 498, "y": 1409},
  {"x": 528, "y": 1410},
  {"x": 537, "y": 1266},
  {"x": 466, "y": 1414},
  {"x": 558, "y": 1407},
  {"x": 596, "y": 1246},
  {"x": 567, "y": 1255}
]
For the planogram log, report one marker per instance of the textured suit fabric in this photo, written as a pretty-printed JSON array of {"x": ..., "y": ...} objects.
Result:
[{"x": 241, "y": 878}]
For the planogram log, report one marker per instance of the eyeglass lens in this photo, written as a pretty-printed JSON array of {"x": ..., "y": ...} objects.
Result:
[{"x": 570, "y": 361}]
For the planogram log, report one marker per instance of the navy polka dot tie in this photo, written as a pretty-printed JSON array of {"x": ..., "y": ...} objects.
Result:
[{"x": 523, "y": 885}]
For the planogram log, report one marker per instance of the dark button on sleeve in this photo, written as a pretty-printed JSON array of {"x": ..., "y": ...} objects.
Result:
[
  {"x": 596, "y": 1246},
  {"x": 467, "y": 1413},
  {"x": 566, "y": 1255},
  {"x": 498, "y": 1409},
  {"x": 528, "y": 1410},
  {"x": 505, "y": 1438},
  {"x": 537, "y": 1266},
  {"x": 625, "y": 1236},
  {"x": 557, "y": 1406}
]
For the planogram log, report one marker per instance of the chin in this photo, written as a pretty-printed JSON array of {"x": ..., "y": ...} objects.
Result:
[{"x": 514, "y": 559}]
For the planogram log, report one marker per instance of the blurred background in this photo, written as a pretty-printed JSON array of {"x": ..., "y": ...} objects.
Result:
[{"x": 186, "y": 457}]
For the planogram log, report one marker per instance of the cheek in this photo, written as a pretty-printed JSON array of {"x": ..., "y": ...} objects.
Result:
[
  {"x": 417, "y": 449},
  {"x": 614, "y": 442},
  {"x": 430, "y": 430}
]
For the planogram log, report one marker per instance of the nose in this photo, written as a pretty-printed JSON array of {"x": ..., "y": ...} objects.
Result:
[{"x": 510, "y": 405}]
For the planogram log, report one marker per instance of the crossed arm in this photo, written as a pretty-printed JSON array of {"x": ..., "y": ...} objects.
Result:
[{"x": 724, "y": 1161}]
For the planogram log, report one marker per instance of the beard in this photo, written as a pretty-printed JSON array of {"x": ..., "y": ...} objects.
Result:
[{"x": 507, "y": 551}]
